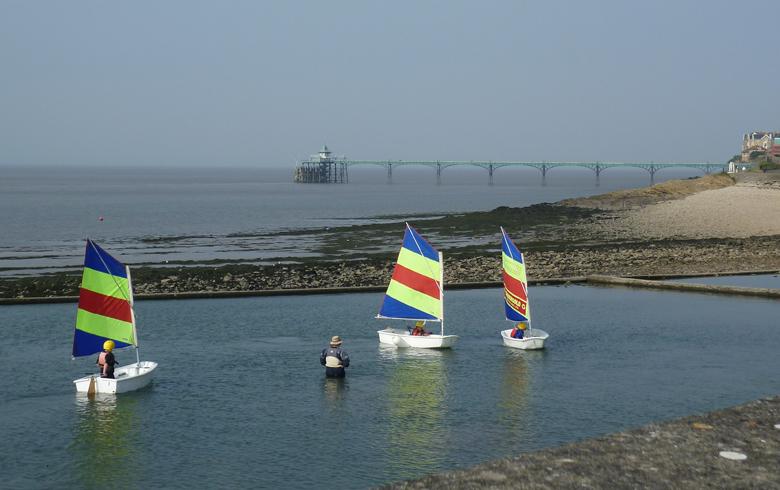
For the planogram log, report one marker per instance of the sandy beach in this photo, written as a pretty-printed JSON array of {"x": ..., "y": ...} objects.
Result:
[{"x": 750, "y": 207}]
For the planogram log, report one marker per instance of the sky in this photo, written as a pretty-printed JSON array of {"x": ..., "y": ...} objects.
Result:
[{"x": 265, "y": 83}]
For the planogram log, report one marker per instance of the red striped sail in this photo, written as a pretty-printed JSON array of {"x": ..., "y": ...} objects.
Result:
[
  {"x": 515, "y": 282},
  {"x": 414, "y": 292},
  {"x": 105, "y": 304}
]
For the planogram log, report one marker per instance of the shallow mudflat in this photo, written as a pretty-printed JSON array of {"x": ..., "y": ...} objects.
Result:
[{"x": 695, "y": 226}]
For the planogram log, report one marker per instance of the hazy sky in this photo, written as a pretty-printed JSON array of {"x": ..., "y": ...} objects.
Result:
[{"x": 263, "y": 83}]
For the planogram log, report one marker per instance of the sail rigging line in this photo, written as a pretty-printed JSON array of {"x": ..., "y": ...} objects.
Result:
[
  {"x": 509, "y": 246},
  {"x": 129, "y": 288},
  {"x": 506, "y": 239},
  {"x": 415, "y": 288},
  {"x": 419, "y": 249},
  {"x": 440, "y": 282},
  {"x": 113, "y": 277},
  {"x": 132, "y": 315}
]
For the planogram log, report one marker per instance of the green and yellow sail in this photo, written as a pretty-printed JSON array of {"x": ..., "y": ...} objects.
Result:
[{"x": 105, "y": 304}]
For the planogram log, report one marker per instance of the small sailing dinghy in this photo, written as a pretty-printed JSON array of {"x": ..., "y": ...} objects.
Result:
[
  {"x": 416, "y": 292},
  {"x": 516, "y": 305},
  {"x": 105, "y": 312}
]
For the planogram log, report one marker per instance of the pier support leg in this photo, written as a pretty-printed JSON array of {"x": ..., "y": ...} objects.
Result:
[
  {"x": 544, "y": 175},
  {"x": 652, "y": 174},
  {"x": 598, "y": 176},
  {"x": 490, "y": 173},
  {"x": 438, "y": 174},
  {"x": 389, "y": 173}
]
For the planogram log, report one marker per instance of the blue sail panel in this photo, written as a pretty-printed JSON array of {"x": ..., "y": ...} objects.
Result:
[
  {"x": 509, "y": 248},
  {"x": 417, "y": 244},
  {"x": 514, "y": 315},
  {"x": 86, "y": 344},
  {"x": 98, "y": 259},
  {"x": 392, "y": 308}
]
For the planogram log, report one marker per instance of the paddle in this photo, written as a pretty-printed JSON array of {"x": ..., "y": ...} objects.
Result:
[{"x": 92, "y": 388}]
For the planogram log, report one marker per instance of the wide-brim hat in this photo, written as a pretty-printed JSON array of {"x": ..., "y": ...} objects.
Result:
[{"x": 335, "y": 340}]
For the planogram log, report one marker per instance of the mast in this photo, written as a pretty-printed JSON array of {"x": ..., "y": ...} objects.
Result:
[
  {"x": 509, "y": 244},
  {"x": 441, "y": 291},
  {"x": 132, "y": 315},
  {"x": 527, "y": 296}
]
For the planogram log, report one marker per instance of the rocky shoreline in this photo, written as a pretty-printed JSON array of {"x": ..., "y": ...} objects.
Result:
[
  {"x": 597, "y": 235},
  {"x": 692, "y": 452}
]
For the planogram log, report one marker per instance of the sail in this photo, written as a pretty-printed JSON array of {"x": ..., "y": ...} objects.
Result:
[
  {"x": 105, "y": 304},
  {"x": 515, "y": 282},
  {"x": 415, "y": 290}
]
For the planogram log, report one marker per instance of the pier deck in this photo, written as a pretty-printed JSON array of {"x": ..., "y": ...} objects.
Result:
[{"x": 326, "y": 169}]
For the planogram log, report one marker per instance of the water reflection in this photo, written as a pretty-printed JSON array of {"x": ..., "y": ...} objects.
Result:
[
  {"x": 417, "y": 391},
  {"x": 334, "y": 390},
  {"x": 513, "y": 410},
  {"x": 105, "y": 445}
]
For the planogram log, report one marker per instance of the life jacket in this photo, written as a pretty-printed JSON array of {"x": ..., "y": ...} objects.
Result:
[
  {"x": 101, "y": 362},
  {"x": 333, "y": 358}
]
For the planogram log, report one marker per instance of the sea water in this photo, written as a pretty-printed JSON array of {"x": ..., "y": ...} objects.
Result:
[
  {"x": 240, "y": 398},
  {"x": 198, "y": 215}
]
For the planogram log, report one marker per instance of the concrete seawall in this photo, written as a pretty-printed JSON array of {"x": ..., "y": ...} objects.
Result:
[
  {"x": 683, "y": 453},
  {"x": 685, "y": 287},
  {"x": 278, "y": 292},
  {"x": 639, "y": 281}
]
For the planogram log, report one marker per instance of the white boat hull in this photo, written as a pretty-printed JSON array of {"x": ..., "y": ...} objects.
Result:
[
  {"x": 400, "y": 338},
  {"x": 126, "y": 378},
  {"x": 533, "y": 339}
]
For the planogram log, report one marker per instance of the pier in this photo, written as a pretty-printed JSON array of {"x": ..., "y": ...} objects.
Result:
[{"x": 324, "y": 168}]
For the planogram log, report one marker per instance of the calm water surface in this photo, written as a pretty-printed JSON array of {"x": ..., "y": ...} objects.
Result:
[
  {"x": 201, "y": 214},
  {"x": 240, "y": 397}
]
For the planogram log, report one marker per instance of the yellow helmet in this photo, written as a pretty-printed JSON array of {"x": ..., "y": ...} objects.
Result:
[
  {"x": 109, "y": 345},
  {"x": 420, "y": 323},
  {"x": 522, "y": 326}
]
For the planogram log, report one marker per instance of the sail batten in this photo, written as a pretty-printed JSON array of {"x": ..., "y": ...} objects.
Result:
[
  {"x": 515, "y": 282},
  {"x": 415, "y": 290},
  {"x": 105, "y": 304}
]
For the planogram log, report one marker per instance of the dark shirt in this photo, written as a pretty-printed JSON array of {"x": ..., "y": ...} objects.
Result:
[
  {"x": 337, "y": 352},
  {"x": 110, "y": 361}
]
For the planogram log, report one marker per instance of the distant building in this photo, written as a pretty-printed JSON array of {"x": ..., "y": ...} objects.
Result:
[
  {"x": 759, "y": 143},
  {"x": 774, "y": 151},
  {"x": 322, "y": 168}
]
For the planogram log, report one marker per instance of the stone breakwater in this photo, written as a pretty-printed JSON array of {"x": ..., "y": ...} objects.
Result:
[
  {"x": 622, "y": 259},
  {"x": 759, "y": 254}
]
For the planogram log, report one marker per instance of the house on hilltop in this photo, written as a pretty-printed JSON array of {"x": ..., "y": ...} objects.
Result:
[{"x": 760, "y": 143}]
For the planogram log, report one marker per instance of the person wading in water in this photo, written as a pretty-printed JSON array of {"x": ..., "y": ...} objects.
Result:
[
  {"x": 335, "y": 359},
  {"x": 106, "y": 361}
]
